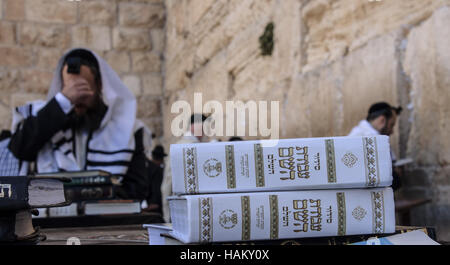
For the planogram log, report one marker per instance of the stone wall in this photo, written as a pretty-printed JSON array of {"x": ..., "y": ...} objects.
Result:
[
  {"x": 331, "y": 61},
  {"x": 34, "y": 34}
]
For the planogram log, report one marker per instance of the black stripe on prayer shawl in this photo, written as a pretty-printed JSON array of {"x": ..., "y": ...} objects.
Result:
[
  {"x": 67, "y": 152},
  {"x": 108, "y": 164},
  {"x": 110, "y": 153},
  {"x": 61, "y": 142}
]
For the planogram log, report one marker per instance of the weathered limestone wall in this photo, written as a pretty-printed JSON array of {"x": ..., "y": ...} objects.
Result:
[
  {"x": 331, "y": 61},
  {"x": 34, "y": 34}
]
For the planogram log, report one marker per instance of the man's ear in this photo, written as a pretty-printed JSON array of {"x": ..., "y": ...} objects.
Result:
[{"x": 383, "y": 121}]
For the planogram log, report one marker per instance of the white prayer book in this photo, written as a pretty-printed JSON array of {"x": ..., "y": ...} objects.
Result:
[
  {"x": 282, "y": 215},
  {"x": 413, "y": 238},
  {"x": 295, "y": 164}
]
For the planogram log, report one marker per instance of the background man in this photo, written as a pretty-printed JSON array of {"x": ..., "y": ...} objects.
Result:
[
  {"x": 87, "y": 123},
  {"x": 380, "y": 120},
  {"x": 155, "y": 176},
  {"x": 195, "y": 134}
]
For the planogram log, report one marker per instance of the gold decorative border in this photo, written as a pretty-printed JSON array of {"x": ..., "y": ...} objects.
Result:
[
  {"x": 205, "y": 220},
  {"x": 259, "y": 166},
  {"x": 340, "y": 196},
  {"x": 331, "y": 161},
  {"x": 190, "y": 170},
  {"x": 246, "y": 217},
  {"x": 231, "y": 172},
  {"x": 371, "y": 161},
  {"x": 273, "y": 201},
  {"x": 378, "y": 216}
]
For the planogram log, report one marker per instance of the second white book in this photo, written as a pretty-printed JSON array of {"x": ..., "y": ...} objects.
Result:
[{"x": 282, "y": 215}]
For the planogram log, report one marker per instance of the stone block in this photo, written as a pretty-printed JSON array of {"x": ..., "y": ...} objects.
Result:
[
  {"x": 152, "y": 84},
  {"x": 36, "y": 81},
  {"x": 35, "y": 34},
  {"x": 133, "y": 83},
  {"x": 15, "y": 57},
  {"x": 141, "y": 15},
  {"x": 146, "y": 62},
  {"x": 14, "y": 10},
  {"x": 119, "y": 61},
  {"x": 51, "y": 11},
  {"x": 7, "y": 33},
  {"x": 131, "y": 39},
  {"x": 93, "y": 37},
  {"x": 98, "y": 12}
]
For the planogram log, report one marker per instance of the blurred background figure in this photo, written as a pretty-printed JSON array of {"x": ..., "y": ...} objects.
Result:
[
  {"x": 88, "y": 122},
  {"x": 381, "y": 120},
  {"x": 155, "y": 177},
  {"x": 195, "y": 134}
]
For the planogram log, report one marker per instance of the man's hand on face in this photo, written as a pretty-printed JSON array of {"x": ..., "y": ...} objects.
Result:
[
  {"x": 80, "y": 89},
  {"x": 77, "y": 91}
]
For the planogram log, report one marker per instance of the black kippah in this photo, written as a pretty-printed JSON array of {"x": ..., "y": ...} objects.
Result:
[
  {"x": 83, "y": 57},
  {"x": 198, "y": 117}
]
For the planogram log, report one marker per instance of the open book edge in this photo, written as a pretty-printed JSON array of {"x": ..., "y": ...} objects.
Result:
[{"x": 46, "y": 193}]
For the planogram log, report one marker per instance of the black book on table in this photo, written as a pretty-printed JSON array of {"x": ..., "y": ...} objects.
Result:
[
  {"x": 22, "y": 193},
  {"x": 18, "y": 196},
  {"x": 85, "y": 178}
]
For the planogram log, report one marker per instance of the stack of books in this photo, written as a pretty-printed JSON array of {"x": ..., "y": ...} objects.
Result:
[
  {"x": 19, "y": 197},
  {"x": 91, "y": 193},
  {"x": 279, "y": 190}
]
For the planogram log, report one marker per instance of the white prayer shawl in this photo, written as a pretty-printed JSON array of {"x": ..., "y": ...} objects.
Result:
[
  {"x": 110, "y": 147},
  {"x": 364, "y": 128}
]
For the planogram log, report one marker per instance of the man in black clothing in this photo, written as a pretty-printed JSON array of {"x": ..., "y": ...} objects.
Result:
[
  {"x": 155, "y": 175},
  {"x": 88, "y": 123}
]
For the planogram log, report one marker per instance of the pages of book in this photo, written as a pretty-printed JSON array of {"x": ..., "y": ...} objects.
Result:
[{"x": 316, "y": 163}]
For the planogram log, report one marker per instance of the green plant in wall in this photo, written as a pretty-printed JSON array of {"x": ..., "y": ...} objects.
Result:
[{"x": 266, "y": 41}]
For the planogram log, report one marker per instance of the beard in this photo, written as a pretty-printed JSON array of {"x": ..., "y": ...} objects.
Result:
[
  {"x": 92, "y": 117},
  {"x": 385, "y": 130}
]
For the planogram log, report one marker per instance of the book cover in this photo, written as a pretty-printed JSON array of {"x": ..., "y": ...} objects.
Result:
[
  {"x": 66, "y": 211},
  {"x": 76, "y": 174},
  {"x": 86, "y": 193},
  {"x": 86, "y": 178},
  {"x": 110, "y": 207},
  {"x": 21, "y": 193},
  {"x": 316, "y": 163},
  {"x": 282, "y": 215}
]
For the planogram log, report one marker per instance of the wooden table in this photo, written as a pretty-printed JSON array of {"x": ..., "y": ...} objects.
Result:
[
  {"x": 111, "y": 235},
  {"x": 97, "y": 230}
]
